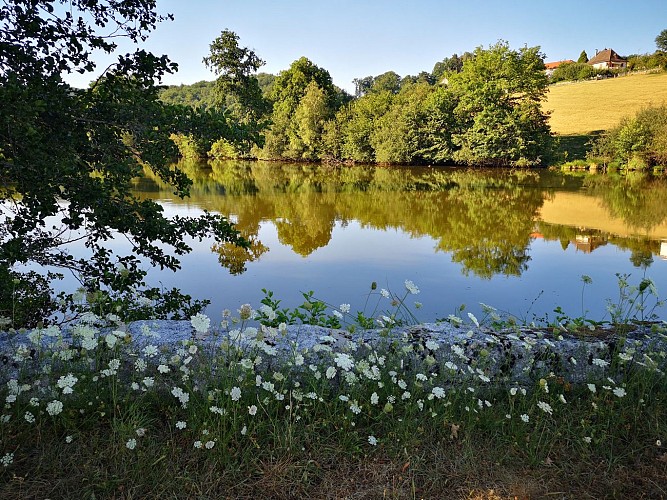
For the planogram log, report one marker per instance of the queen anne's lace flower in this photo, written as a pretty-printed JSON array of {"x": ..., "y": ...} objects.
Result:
[{"x": 200, "y": 322}]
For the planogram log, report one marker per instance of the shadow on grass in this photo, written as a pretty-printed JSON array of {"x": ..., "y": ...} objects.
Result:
[{"x": 575, "y": 147}]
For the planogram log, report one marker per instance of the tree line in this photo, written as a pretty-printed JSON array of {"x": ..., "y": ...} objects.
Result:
[{"x": 482, "y": 108}]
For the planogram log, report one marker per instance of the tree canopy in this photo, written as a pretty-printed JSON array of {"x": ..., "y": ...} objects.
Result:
[
  {"x": 68, "y": 158},
  {"x": 661, "y": 41}
]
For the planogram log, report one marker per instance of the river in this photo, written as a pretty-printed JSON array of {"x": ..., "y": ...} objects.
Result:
[{"x": 518, "y": 240}]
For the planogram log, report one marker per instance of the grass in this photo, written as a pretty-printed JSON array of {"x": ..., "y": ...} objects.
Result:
[
  {"x": 581, "y": 108},
  {"x": 230, "y": 418}
]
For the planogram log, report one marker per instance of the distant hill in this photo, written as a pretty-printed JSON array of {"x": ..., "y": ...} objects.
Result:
[
  {"x": 201, "y": 93},
  {"x": 583, "y": 107}
]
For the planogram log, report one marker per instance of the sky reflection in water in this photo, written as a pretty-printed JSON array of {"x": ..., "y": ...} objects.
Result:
[{"x": 461, "y": 237}]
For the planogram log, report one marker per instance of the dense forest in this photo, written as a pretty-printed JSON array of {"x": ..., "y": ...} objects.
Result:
[{"x": 481, "y": 108}]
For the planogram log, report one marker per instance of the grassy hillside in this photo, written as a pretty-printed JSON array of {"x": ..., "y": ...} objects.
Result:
[{"x": 583, "y": 107}]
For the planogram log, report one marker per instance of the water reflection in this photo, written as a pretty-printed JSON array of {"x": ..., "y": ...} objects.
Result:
[{"x": 486, "y": 220}]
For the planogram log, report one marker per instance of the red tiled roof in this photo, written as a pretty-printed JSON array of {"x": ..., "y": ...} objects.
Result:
[{"x": 554, "y": 65}]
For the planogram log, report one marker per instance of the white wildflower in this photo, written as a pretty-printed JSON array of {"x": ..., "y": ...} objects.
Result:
[
  {"x": 545, "y": 407},
  {"x": 411, "y": 287},
  {"x": 54, "y": 408},
  {"x": 200, "y": 322}
]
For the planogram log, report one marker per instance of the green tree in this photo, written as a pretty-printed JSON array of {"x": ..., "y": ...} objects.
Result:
[
  {"x": 387, "y": 82},
  {"x": 309, "y": 118},
  {"x": 498, "y": 112},
  {"x": 661, "y": 41},
  {"x": 284, "y": 139},
  {"x": 68, "y": 157},
  {"x": 583, "y": 57},
  {"x": 236, "y": 67}
]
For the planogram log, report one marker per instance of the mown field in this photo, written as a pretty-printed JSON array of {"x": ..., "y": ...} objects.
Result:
[{"x": 584, "y": 107}]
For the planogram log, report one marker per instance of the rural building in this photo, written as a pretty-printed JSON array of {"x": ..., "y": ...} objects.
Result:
[
  {"x": 607, "y": 59},
  {"x": 551, "y": 66}
]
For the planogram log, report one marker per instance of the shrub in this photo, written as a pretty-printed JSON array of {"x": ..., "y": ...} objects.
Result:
[{"x": 637, "y": 142}]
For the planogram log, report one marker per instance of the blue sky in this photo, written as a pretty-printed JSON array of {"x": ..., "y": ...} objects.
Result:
[{"x": 358, "y": 38}]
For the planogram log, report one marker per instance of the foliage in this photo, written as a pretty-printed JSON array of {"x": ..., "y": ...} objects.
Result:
[
  {"x": 575, "y": 72},
  {"x": 638, "y": 141},
  {"x": 499, "y": 120},
  {"x": 235, "y": 67},
  {"x": 661, "y": 41},
  {"x": 68, "y": 156},
  {"x": 303, "y": 97},
  {"x": 583, "y": 57},
  {"x": 655, "y": 61}
]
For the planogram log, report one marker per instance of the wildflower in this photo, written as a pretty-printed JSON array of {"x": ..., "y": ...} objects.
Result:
[
  {"x": 244, "y": 430},
  {"x": 406, "y": 395},
  {"x": 131, "y": 444},
  {"x": 432, "y": 345},
  {"x": 658, "y": 442},
  {"x": 484, "y": 378},
  {"x": 110, "y": 340},
  {"x": 384, "y": 293},
  {"x": 525, "y": 418},
  {"x": 513, "y": 391},
  {"x": 148, "y": 381},
  {"x": 600, "y": 362},
  {"x": 337, "y": 314},
  {"x": 451, "y": 366},
  {"x": 182, "y": 396},
  {"x": 421, "y": 377},
  {"x": 343, "y": 398},
  {"x": 163, "y": 368},
  {"x": 252, "y": 410},
  {"x": 34, "y": 402},
  {"x": 619, "y": 392},
  {"x": 624, "y": 356},
  {"x": 545, "y": 407},
  {"x": 200, "y": 322},
  {"x": 140, "y": 365},
  {"x": 473, "y": 319},
  {"x": 344, "y": 361},
  {"x": 180, "y": 425},
  {"x": 29, "y": 417},
  {"x": 54, "y": 408},
  {"x": 562, "y": 398},
  {"x": 7, "y": 459},
  {"x": 438, "y": 392},
  {"x": 197, "y": 444},
  {"x": 331, "y": 372},
  {"x": 375, "y": 398},
  {"x": 69, "y": 439},
  {"x": 592, "y": 388},
  {"x": 150, "y": 350},
  {"x": 588, "y": 439},
  {"x": 355, "y": 408},
  {"x": 66, "y": 383},
  {"x": 245, "y": 312},
  {"x": 372, "y": 440},
  {"x": 411, "y": 287},
  {"x": 235, "y": 394},
  {"x": 209, "y": 445},
  {"x": 344, "y": 308},
  {"x": 141, "y": 432},
  {"x": 544, "y": 385}
]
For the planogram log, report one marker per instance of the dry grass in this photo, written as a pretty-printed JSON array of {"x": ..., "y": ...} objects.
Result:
[{"x": 584, "y": 107}]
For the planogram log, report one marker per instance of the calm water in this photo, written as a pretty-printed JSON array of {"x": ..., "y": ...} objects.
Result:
[{"x": 519, "y": 241}]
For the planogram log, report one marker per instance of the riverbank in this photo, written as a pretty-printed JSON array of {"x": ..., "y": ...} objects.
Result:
[{"x": 239, "y": 410}]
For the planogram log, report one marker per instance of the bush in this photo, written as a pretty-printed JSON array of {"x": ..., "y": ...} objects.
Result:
[
  {"x": 638, "y": 142},
  {"x": 574, "y": 72},
  {"x": 222, "y": 149}
]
